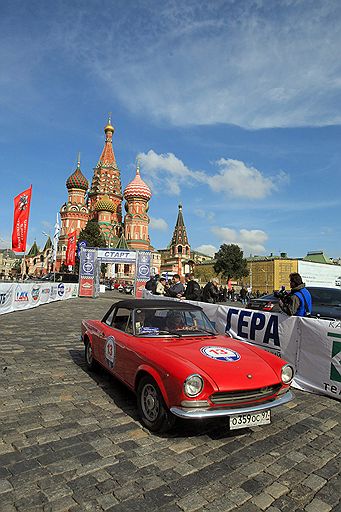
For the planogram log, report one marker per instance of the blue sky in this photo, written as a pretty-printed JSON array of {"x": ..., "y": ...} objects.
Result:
[{"x": 232, "y": 106}]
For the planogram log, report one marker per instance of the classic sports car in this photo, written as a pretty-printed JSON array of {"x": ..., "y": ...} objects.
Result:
[{"x": 170, "y": 355}]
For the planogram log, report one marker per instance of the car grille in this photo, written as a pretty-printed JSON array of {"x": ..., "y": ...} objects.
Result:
[{"x": 235, "y": 397}]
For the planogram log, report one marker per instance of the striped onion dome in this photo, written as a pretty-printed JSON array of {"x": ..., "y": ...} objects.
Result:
[
  {"x": 77, "y": 179},
  {"x": 137, "y": 188},
  {"x": 105, "y": 205}
]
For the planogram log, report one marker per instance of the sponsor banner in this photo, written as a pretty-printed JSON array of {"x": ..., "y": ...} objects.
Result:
[
  {"x": 19, "y": 296},
  {"x": 6, "y": 297},
  {"x": 142, "y": 271},
  {"x": 71, "y": 249},
  {"x": 275, "y": 332},
  {"x": 86, "y": 287},
  {"x": 116, "y": 256},
  {"x": 87, "y": 263},
  {"x": 87, "y": 270},
  {"x": 320, "y": 274},
  {"x": 22, "y": 203},
  {"x": 143, "y": 265},
  {"x": 319, "y": 363}
]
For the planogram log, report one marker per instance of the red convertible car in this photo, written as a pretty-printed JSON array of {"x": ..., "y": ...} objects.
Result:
[{"x": 170, "y": 355}]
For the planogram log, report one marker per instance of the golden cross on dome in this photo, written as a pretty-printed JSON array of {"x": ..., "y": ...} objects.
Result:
[{"x": 138, "y": 159}]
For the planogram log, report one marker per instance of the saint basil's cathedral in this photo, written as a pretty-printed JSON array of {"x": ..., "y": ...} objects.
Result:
[{"x": 103, "y": 203}]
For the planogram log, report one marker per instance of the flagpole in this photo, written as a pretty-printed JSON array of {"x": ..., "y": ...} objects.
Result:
[{"x": 23, "y": 267}]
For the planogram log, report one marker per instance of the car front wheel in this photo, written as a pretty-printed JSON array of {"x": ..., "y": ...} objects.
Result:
[{"x": 151, "y": 407}]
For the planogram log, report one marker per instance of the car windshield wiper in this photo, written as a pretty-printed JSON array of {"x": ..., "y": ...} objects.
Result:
[{"x": 206, "y": 332}]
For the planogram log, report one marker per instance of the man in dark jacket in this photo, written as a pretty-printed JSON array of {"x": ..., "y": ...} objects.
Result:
[
  {"x": 298, "y": 302},
  {"x": 192, "y": 291},
  {"x": 210, "y": 292},
  {"x": 176, "y": 289}
]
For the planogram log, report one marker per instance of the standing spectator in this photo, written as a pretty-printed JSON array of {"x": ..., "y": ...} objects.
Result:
[
  {"x": 224, "y": 294},
  {"x": 192, "y": 291},
  {"x": 160, "y": 286},
  {"x": 298, "y": 302},
  {"x": 176, "y": 289},
  {"x": 151, "y": 284},
  {"x": 243, "y": 295},
  {"x": 210, "y": 292}
]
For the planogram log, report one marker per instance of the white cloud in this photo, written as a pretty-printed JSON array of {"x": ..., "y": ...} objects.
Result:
[
  {"x": 210, "y": 250},
  {"x": 238, "y": 180},
  {"x": 250, "y": 241},
  {"x": 254, "y": 64},
  {"x": 158, "y": 224},
  {"x": 168, "y": 173},
  {"x": 203, "y": 214}
]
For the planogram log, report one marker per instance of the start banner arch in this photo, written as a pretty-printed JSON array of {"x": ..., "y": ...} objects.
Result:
[{"x": 91, "y": 259}]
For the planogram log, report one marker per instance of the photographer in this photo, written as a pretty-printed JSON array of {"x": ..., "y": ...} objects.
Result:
[{"x": 298, "y": 301}]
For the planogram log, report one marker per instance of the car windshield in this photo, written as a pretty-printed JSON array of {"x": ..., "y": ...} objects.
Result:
[{"x": 174, "y": 322}]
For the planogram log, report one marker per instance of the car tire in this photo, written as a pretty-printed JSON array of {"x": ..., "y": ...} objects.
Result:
[
  {"x": 91, "y": 364},
  {"x": 151, "y": 407}
]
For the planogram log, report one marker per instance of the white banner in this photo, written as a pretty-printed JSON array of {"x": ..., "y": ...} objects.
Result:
[
  {"x": 116, "y": 255},
  {"x": 320, "y": 274},
  {"x": 17, "y": 296}
]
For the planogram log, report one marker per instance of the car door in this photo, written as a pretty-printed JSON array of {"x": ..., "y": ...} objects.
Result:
[{"x": 113, "y": 341}]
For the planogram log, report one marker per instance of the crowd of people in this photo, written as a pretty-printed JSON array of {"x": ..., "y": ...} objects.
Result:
[
  {"x": 297, "y": 302},
  {"x": 190, "y": 289}
]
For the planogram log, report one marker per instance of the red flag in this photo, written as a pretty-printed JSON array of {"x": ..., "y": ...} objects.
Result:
[
  {"x": 22, "y": 203},
  {"x": 71, "y": 248}
]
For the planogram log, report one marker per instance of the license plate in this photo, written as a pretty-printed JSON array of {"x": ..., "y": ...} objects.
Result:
[{"x": 249, "y": 420}]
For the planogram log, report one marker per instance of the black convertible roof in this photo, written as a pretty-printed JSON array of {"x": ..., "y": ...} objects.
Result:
[{"x": 155, "y": 304}]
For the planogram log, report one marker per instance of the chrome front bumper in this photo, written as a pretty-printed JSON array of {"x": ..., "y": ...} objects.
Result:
[{"x": 214, "y": 412}]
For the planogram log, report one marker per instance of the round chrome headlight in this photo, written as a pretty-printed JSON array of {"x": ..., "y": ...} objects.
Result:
[
  {"x": 287, "y": 374},
  {"x": 193, "y": 385}
]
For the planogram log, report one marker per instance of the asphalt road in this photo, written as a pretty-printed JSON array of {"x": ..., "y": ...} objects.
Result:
[{"x": 71, "y": 441}]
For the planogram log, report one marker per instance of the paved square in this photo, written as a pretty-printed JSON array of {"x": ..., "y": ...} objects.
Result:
[{"x": 71, "y": 441}]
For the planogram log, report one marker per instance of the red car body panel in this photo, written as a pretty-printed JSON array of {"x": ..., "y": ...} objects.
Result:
[{"x": 170, "y": 360}]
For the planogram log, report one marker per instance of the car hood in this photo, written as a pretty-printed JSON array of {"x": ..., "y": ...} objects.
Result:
[{"x": 245, "y": 366}]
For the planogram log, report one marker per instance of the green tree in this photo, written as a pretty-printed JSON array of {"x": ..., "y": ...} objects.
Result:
[
  {"x": 92, "y": 235},
  {"x": 230, "y": 262},
  {"x": 204, "y": 273}
]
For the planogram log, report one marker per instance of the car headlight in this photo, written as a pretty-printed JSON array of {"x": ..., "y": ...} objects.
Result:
[
  {"x": 193, "y": 385},
  {"x": 287, "y": 374}
]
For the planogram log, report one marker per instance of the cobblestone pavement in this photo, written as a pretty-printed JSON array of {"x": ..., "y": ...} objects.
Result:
[{"x": 71, "y": 441}]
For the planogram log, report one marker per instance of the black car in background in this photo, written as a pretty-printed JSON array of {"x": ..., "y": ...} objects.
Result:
[
  {"x": 60, "y": 277},
  {"x": 326, "y": 302}
]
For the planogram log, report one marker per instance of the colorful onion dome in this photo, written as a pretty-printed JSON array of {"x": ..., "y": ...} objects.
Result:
[
  {"x": 105, "y": 205},
  {"x": 77, "y": 179},
  {"x": 137, "y": 188}
]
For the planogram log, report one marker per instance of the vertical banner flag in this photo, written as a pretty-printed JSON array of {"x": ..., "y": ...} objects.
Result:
[
  {"x": 22, "y": 203},
  {"x": 56, "y": 238},
  {"x": 71, "y": 249}
]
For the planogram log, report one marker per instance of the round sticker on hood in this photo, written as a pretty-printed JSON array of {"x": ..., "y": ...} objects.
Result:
[{"x": 220, "y": 353}]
